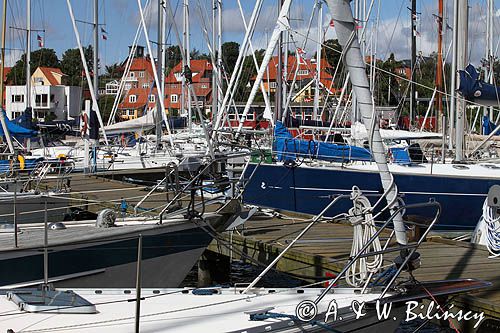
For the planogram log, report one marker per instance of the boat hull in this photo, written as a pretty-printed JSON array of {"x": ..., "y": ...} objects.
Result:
[
  {"x": 309, "y": 189},
  {"x": 168, "y": 254}
]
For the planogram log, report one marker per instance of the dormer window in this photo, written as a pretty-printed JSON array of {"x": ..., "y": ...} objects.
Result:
[
  {"x": 302, "y": 72},
  {"x": 132, "y": 98},
  {"x": 152, "y": 98}
]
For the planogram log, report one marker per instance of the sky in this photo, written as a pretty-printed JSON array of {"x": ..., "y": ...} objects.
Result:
[{"x": 120, "y": 19}]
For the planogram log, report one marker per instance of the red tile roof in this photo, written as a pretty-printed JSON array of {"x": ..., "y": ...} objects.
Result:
[
  {"x": 198, "y": 67},
  {"x": 141, "y": 99},
  {"x": 6, "y": 71},
  {"x": 49, "y": 74},
  {"x": 305, "y": 64},
  {"x": 141, "y": 64}
]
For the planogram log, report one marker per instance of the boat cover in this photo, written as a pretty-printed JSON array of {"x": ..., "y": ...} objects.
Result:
[
  {"x": 16, "y": 130},
  {"x": 289, "y": 148},
  {"x": 474, "y": 89}
]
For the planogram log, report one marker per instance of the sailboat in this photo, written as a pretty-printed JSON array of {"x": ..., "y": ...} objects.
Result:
[
  {"x": 304, "y": 182},
  {"x": 253, "y": 309}
]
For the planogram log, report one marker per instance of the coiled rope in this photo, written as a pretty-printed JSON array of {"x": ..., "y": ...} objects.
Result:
[
  {"x": 488, "y": 231},
  {"x": 361, "y": 218}
]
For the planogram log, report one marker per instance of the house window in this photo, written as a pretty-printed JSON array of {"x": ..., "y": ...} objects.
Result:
[
  {"x": 204, "y": 86},
  {"x": 174, "y": 98},
  {"x": 132, "y": 74},
  {"x": 152, "y": 98},
  {"x": 145, "y": 85},
  {"x": 132, "y": 98},
  {"x": 141, "y": 74},
  {"x": 17, "y": 98},
  {"x": 272, "y": 85},
  {"x": 302, "y": 72},
  {"x": 250, "y": 116},
  {"x": 128, "y": 86},
  {"x": 131, "y": 113},
  {"x": 232, "y": 116},
  {"x": 41, "y": 100}
]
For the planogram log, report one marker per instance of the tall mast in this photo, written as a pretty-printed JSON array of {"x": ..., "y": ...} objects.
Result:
[
  {"x": 215, "y": 94},
  {"x": 488, "y": 77},
  {"x": 161, "y": 74},
  {"x": 318, "y": 60},
  {"x": 96, "y": 51},
  {"x": 2, "y": 66},
  {"x": 413, "y": 97},
  {"x": 439, "y": 68},
  {"x": 462, "y": 41},
  {"x": 28, "y": 54},
  {"x": 187, "y": 62},
  {"x": 279, "y": 72},
  {"x": 219, "y": 50}
]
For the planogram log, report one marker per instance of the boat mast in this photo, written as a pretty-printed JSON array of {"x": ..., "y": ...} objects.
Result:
[
  {"x": 161, "y": 74},
  {"x": 439, "y": 69},
  {"x": 186, "y": 62},
  {"x": 413, "y": 94},
  {"x": 488, "y": 75},
  {"x": 219, "y": 50},
  {"x": 354, "y": 63},
  {"x": 2, "y": 67},
  {"x": 462, "y": 40},
  {"x": 215, "y": 91},
  {"x": 28, "y": 54},
  {"x": 279, "y": 73},
  {"x": 318, "y": 59},
  {"x": 96, "y": 52}
]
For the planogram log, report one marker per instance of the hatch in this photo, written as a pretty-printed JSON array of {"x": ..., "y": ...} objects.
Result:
[{"x": 53, "y": 301}]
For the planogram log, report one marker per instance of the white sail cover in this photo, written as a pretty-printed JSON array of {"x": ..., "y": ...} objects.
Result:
[
  {"x": 143, "y": 123},
  {"x": 358, "y": 131}
]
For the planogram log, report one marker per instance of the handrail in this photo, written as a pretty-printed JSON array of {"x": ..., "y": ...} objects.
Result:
[
  {"x": 302, "y": 233},
  {"x": 201, "y": 172},
  {"x": 156, "y": 187},
  {"x": 370, "y": 241}
]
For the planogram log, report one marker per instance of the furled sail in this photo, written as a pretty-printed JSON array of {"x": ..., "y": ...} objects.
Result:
[{"x": 474, "y": 89}]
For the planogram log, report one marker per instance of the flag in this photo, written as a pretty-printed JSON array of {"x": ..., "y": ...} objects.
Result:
[
  {"x": 104, "y": 34},
  {"x": 332, "y": 24},
  {"x": 40, "y": 40},
  {"x": 300, "y": 56}
]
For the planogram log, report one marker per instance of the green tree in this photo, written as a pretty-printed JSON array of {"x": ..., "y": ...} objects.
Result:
[
  {"x": 230, "y": 52},
  {"x": 197, "y": 55},
  {"x": 72, "y": 66},
  {"x": 105, "y": 106},
  {"x": 43, "y": 57},
  {"x": 114, "y": 71},
  {"x": 331, "y": 52}
]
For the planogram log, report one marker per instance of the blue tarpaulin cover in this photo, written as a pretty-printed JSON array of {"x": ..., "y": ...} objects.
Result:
[
  {"x": 289, "y": 148},
  {"x": 16, "y": 130}
]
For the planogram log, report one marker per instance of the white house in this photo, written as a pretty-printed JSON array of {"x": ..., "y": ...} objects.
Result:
[{"x": 48, "y": 97}]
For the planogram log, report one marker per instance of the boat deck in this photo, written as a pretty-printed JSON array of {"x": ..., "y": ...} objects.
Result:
[
  {"x": 32, "y": 237},
  {"x": 323, "y": 251}
]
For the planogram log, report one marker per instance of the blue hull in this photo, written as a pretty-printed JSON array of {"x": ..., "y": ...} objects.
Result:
[{"x": 308, "y": 190}]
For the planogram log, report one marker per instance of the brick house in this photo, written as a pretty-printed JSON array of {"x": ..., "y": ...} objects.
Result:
[
  {"x": 141, "y": 96},
  {"x": 202, "y": 84},
  {"x": 304, "y": 82}
]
